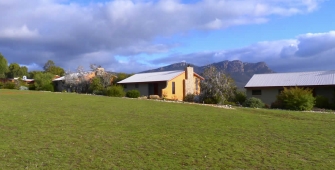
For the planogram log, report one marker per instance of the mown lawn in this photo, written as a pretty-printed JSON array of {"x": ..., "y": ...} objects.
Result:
[{"x": 41, "y": 130}]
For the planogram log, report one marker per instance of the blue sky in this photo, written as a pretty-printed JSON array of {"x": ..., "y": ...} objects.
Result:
[{"x": 132, "y": 36}]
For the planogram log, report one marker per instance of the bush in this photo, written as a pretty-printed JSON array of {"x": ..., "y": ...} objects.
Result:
[
  {"x": 296, "y": 98},
  {"x": 277, "y": 105},
  {"x": 254, "y": 103},
  {"x": 9, "y": 85},
  {"x": 189, "y": 97},
  {"x": 32, "y": 87},
  {"x": 115, "y": 91},
  {"x": 133, "y": 94},
  {"x": 47, "y": 87},
  {"x": 23, "y": 88},
  {"x": 240, "y": 97},
  {"x": 322, "y": 102}
]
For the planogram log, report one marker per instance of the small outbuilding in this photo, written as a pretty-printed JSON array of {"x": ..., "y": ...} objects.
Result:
[{"x": 267, "y": 86}]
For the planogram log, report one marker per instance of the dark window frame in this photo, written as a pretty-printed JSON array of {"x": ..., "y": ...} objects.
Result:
[
  {"x": 256, "y": 92},
  {"x": 173, "y": 87}
]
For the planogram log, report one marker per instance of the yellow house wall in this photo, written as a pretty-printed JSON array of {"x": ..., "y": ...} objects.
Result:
[{"x": 179, "y": 88}]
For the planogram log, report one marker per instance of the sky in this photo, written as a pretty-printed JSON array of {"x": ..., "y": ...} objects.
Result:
[{"x": 136, "y": 35}]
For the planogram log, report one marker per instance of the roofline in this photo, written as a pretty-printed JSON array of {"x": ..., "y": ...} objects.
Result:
[
  {"x": 142, "y": 82},
  {"x": 288, "y": 86},
  {"x": 199, "y": 76}
]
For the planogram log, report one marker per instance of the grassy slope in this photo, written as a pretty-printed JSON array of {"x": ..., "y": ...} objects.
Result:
[{"x": 67, "y": 131}]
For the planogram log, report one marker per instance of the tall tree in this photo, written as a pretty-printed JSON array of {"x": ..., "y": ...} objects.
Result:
[
  {"x": 14, "y": 70},
  {"x": 217, "y": 87},
  {"x": 3, "y": 66},
  {"x": 50, "y": 67},
  {"x": 48, "y": 64}
]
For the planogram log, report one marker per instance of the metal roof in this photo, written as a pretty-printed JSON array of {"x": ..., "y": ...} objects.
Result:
[
  {"x": 152, "y": 77},
  {"x": 314, "y": 78}
]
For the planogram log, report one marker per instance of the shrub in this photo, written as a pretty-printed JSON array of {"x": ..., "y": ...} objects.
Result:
[
  {"x": 254, "y": 103},
  {"x": 240, "y": 97},
  {"x": 322, "y": 102},
  {"x": 189, "y": 97},
  {"x": 115, "y": 91},
  {"x": 47, "y": 87},
  {"x": 32, "y": 87},
  {"x": 296, "y": 98},
  {"x": 277, "y": 105},
  {"x": 133, "y": 94},
  {"x": 23, "y": 88},
  {"x": 9, "y": 85}
]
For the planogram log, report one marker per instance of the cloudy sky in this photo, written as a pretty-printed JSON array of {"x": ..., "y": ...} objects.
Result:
[{"x": 136, "y": 35}]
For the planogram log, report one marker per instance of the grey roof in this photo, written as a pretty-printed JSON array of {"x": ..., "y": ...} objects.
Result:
[
  {"x": 59, "y": 79},
  {"x": 314, "y": 78},
  {"x": 152, "y": 77}
]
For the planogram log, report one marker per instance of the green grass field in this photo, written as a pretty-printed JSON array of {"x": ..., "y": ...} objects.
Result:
[{"x": 41, "y": 130}]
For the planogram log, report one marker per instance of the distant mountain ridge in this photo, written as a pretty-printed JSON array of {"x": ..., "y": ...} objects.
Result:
[{"x": 240, "y": 71}]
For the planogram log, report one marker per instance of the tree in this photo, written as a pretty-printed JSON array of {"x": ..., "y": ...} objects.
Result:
[
  {"x": 217, "y": 87},
  {"x": 120, "y": 77},
  {"x": 43, "y": 81},
  {"x": 3, "y": 66},
  {"x": 32, "y": 74},
  {"x": 14, "y": 70},
  {"x": 50, "y": 67}
]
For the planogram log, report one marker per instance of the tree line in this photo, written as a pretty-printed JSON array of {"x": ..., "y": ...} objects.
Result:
[{"x": 74, "y": 82}]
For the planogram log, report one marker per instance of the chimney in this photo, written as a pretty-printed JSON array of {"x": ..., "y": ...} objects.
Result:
[{"x": 189, "y": 82}]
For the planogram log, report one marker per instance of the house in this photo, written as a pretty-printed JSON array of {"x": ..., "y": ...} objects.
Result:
[
  {"x": 267, "y": 86},
  {"x": 169, "y": 84},
  {"x": 13, "y": 80}
]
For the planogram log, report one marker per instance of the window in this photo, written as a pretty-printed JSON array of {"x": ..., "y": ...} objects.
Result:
[
  {"x": 196, "y": 84},
  {"x": 256, "y": 92},
  {"x": 173, "y": 88},
  {"x": 137, "y": 85}
]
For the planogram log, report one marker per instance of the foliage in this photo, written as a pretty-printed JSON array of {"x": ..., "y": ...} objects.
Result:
[
  {"x": 96, "y": 84},
  {"x": 296, "y": 98},
  {"x": 133, "y": 94},
  {"x": 50, "y": 67},
  {"x": 14, "y": 70},
  {"x": 189, "y": 97},
  {"x": 217, "y": 87},
  {"x": 120, "y": 77},
  {"x": 240, "y": 97},
  {"x": 254, "y": 103},
  {"x": 322, "y": 102},
  {"x": 277, "y": 105},
  {"x": 43, "y": 81},
  {"x": 32, "y": 74},
  {"x": 3, "y": 66},
  {"x": 32, "y": 87},
  {"x": 9, "y": 85},
  {"x": 78, "y": 82},
  {"x": 115, "y": 91},
  {"x": 88, "y": 132}
]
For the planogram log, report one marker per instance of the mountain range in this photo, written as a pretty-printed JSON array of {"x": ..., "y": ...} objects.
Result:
[{"x": 240, "y": 71}]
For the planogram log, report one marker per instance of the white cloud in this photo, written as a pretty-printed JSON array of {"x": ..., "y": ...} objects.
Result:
[
  {"x": 306, "y": 52},
  {"x": 67, "y": 32}
]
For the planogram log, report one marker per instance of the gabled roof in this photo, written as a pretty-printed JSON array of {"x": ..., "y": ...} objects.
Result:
[
  {"x": 152, "y": 77},
  {"x": 315, "y": 78}
]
